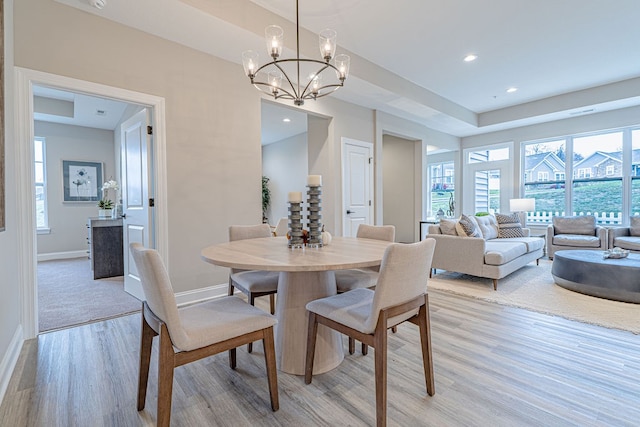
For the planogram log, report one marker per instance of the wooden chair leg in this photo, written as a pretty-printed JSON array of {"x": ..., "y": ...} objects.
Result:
[
  {"x": 146, "y": 341},
  {"x": 364, "y": 349},
  {"x": 232, "y": 358},
  {"x": 380, "y": 345},
  {"x": 270, "y": 362},
  {"x": 425, "y": 340},
  {"x": 272, "y": 303},
  {"x": 311, "y": 347},
  {"x": 252, "y": 301},
  {"x": 352, "y": 345},
  {"x": 166, "y": 364}
]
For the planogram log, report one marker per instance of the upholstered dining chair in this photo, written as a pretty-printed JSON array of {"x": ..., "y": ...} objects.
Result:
[
  {"x": 347, "y": 280},
  {"x": 366, "y": 315},
  {"x": 193, "y": 332},
  {"x": 281, "y": 227},
  {"x": 253, "y": 283}
]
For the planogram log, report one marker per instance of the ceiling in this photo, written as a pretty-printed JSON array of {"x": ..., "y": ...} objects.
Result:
[{"x": 567, "y": 58}]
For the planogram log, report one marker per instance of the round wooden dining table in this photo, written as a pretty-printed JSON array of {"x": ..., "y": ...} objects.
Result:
[{"x": 306, "y": 274}]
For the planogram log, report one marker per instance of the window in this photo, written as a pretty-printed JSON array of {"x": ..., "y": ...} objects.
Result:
[
  {"x": 441, "y": 187},
  {"x": 489, "y": 155},
  {"x": 596, "y": 171},
  {"x": 543, "y": 176},
  {"x": 541, "y": 159},
  {"x": 42, "y": 220}
]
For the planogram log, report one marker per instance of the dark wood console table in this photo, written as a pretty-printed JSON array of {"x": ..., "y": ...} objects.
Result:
[{"x": 105, "y": 247}]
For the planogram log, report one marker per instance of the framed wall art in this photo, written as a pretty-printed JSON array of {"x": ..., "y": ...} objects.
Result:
[{"x": 82, "y": 181}]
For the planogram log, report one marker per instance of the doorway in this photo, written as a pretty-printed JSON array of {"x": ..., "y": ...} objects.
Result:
[{"x": 26, "y": 80}]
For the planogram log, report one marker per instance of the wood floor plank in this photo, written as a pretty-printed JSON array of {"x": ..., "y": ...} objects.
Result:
[{"x": 494, "y": 366}]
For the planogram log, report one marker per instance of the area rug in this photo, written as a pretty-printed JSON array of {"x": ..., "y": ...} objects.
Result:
[
  {"x": 532, "y": 288},
  {"x": 68, "y": 295}
]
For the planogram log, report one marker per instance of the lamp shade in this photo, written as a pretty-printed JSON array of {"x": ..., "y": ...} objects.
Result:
[{"x": 522, "y": 205}]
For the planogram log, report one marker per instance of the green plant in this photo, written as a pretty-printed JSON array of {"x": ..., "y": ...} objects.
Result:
[
  {"x": 266, "y": 197},
  {"x": 105, "y": 204}
]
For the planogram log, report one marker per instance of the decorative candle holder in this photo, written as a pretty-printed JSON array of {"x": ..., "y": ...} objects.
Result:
[
  {"x": 314, "y": 214},
  {"x": 295, "y": 225}
]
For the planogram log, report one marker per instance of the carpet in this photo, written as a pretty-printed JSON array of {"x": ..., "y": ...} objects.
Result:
[
  {"x": 68, "y": 295},
  {"x": 532, "y": 288}
]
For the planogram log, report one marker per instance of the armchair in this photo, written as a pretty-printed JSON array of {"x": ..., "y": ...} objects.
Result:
[
  {"x": 575, "y": 232},
  {"x": 626, "y": 237}
]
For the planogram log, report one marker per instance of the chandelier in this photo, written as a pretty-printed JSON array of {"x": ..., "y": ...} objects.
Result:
[{"x": 297, "y": 78}]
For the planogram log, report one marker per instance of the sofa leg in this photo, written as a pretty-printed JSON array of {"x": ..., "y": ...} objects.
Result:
[
  {"x": 538, "y": 261},
  {"x": 495, "y": 284}
]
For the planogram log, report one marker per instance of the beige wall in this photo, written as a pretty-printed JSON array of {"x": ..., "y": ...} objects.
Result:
[
  {"x": 67, "y": 221},
  {"x": 285, "y": 164},
  {"x": 10, "y": 331},
  {"x": 399, "y": 177},
  {"x": 212, "y": 129}
]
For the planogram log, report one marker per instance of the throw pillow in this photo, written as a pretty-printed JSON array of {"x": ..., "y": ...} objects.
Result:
[
  {"x": 448, "y": 226},
  {"x": 634, "y": 228},
  {"x": 488, "y": 226},
  {"x": 509, "y": 226},
  {"x": 467, "y": 226}
]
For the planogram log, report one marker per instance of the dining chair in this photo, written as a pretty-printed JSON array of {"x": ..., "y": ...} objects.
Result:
[
  {"x": 281, "y": 227},
  {"x": 193, "y": 332},
  {"x": 347, "y": 280},
  {"x": 253, "y": 283},
  {"x": 366, "y": 315}
]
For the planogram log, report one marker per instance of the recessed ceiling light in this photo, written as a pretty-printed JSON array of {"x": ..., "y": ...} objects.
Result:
[
  {"x": 286, "y": 120},
  {"x": 512, "y": 89},
  {"x": 470, "y": 57}
]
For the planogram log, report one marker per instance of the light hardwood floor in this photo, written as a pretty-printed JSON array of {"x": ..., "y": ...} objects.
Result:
[{"x": 494, "y": 366}]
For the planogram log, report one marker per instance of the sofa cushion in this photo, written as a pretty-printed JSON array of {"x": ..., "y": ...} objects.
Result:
[
  {"x": 532, "y": 243},
  {"x": 627, "y": 242},
  {"x": 488, "y": 226},
  {"x": 448, "y": 226},
  {"x": 467, "y": 226},
  {"x": 579, "y": 240},
  {"x": 498, "y": 253},
  {"x": 509, "y": 226},
  {"x": 583, "y": 224},
  {"x": 634, "y": 228}
]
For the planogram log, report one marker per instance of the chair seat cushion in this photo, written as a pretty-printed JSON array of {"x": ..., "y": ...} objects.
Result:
[
  {"x": 218, "y": 320},
  {"x": 347, "y": 280},
  {"x": 255, "y": 281},
  {"x": 498, "y": 253},
  {"x": 627, "y": 242},
  {"x": 579, "y": 240},
  {"x": 350, "y": 308}
]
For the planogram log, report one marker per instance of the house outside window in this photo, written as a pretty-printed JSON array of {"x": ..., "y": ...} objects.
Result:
[
  {"x": 610, "y": 170},
  {"x": 543, "y": 176},
  {"x": 42, "y": 217},
  {"x": 441, "y": 187}
]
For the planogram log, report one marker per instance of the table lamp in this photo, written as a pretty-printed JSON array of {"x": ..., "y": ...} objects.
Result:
[{"x": 521, "y": 207}]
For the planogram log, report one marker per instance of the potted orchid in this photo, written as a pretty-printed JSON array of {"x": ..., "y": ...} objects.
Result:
[{"x": 106, "y": 205}]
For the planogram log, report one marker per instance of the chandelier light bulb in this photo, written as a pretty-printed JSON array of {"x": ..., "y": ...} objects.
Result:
[{"x": 328, "y": 39}]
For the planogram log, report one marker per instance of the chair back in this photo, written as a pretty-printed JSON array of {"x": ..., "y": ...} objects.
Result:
[
  {"x": 377, "y": 232},
  {"x": 404, "y": 272},
  {"x": 282, "y": 227},
  {"x": 241, "y": 232},
  {"x": 158, "y": 291}
]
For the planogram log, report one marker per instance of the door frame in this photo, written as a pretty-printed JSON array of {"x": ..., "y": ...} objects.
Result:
[
  {"x": 25, "y": 79},
  {"x": 369, "y": 145}
]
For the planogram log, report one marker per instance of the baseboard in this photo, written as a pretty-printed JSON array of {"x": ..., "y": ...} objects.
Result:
[
  {"x": 62, "y": 255},
  {"x": 196, "y": 295},
  {"x": 9, "y": 360}
]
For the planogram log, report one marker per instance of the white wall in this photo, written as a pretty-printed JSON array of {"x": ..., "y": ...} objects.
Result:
[
  {"x": 399, "y": 186},
  {"x": 285, "y": 164},
  {"x": 67, "y": 220}
]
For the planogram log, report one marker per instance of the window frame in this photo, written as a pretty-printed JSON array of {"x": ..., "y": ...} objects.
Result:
[{"x": 41, "y": 229}]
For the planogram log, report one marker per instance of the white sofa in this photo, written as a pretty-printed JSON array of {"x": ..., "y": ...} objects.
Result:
[
  {"x": 486, "y": 255},
  {"x": 626, "y": 237}
]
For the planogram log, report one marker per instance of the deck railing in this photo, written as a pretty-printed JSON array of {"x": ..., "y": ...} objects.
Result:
[{"x": 602, "y": 218}]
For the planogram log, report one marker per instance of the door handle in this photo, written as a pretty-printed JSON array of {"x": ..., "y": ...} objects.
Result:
[{"x": 350, "y": 212}]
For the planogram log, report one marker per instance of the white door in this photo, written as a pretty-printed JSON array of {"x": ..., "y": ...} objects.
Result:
[
  {"x": 357, "y": 185},
  {"x": 136, "y": 171}
]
